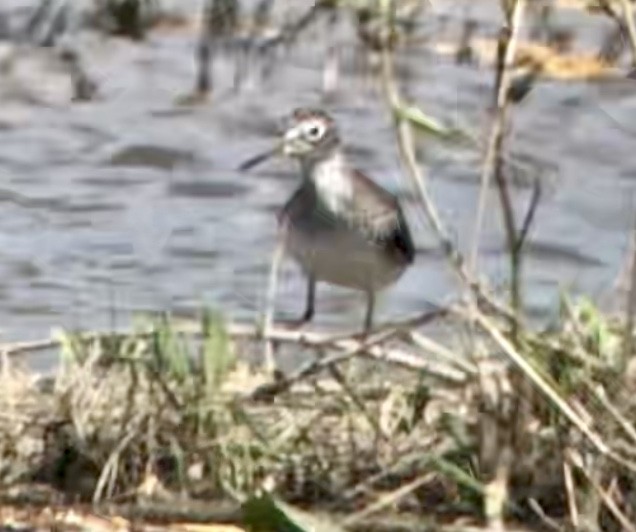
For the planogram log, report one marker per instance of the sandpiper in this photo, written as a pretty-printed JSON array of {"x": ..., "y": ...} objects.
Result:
[{"x": 339, "y": 225}]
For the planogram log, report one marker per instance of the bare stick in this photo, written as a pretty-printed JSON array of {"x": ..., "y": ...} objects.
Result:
[
  {"x": 290, "y": 31},
  {"x": 345, "y": 350},
  {"x": 219, "y": 21},
  {"x": 569, "y": 488},
  {"x": 625, "y": 424},
  {"x": 609, "y": 503},
  {"x": 628, "y": 16},
  {"x": 407, "y": 151},
  {"x": 388, "y": 499},
  {"x": 279, "y": 251},
  {"x": 268, "y": 390},
  {"x": 549, "y": 522},
  {"x": 497, "y": 131},
  {"x": 404, "y": 134},
  {"x": 529, "y": 218},
  {"x": 628, "y": 335},
  {"x": 241, "y": 331}
]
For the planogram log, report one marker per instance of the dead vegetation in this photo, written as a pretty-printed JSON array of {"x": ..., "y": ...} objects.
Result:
[{"x": 167, "y": 425}]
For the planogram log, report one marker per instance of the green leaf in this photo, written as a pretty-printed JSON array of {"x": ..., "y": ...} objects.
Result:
[
  {"x": 429, "y": 125},
  {"x": 69, "y": 352},
  {"x": 264, "y": 513},
  {"x": 170, "y": 352},
  {"x": 217, "y": 355}
]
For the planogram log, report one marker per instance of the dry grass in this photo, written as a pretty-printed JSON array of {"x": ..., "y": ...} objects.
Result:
[{"x": 172, "y": 418}]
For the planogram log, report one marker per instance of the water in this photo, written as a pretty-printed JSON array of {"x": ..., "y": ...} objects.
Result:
[{"x": 132, "y": 202}]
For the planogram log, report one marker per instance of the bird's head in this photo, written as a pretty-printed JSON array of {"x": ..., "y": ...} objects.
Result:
[{"x": 310, "y": 135}]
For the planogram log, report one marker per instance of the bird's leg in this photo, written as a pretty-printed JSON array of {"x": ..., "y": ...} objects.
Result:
[
  {"x": 368, "y": 319},
  {"x": 308, "y": 314},
  {"x": 311, "y": 297}
]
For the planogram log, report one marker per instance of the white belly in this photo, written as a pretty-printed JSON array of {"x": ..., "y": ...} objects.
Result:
[{"x": 343, "y": 258}]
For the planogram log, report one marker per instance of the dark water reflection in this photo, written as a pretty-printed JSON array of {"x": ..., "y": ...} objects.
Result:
[{"x": 132, "y": 202}]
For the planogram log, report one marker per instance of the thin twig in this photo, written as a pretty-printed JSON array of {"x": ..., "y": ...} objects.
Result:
[
  {"x": 268, "y": 390},
  {"x": 388, "y": 499},
  {"x": 427, "y": 344},
  {"x": 571, "y": 496},
  {"x": 608, "y": 501},
  {"x": 621, "y": 420},
  {"x": 628, "y": 16},
  {"x": 498, "y": 127},
  {"x": 406, "y": 145},
  {"x": 529, "y": 218},
  {"x": 237, "y": 330},
  {"x": 290, "y": 31},
  {"x": 552, "y": 524},
  {"x": 628, "y": 335},
  {"x": 349, "y": 348},
  {"x": 109, "y": 471},
  {"x": 279, "y": 251},
  {"x": 548, "y": 391}
]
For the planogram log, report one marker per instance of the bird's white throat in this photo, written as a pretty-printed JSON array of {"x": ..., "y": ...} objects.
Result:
[{"x": 333, "y": 182}]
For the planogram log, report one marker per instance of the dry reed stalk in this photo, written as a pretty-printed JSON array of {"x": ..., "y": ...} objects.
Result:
[
  {"x": 277, "y": 258},
  {"x": 630, "y": 312},
  {"x": 388, "y": 499},
  {"x": 628, "y": 17},
  {"x": 604, "y": 496},
  {"x": 495, "y": 139},
  {"x": 539, "y": 382},
  {"x": 571, "y": 496},
  {"x": 504, "y": 431}
]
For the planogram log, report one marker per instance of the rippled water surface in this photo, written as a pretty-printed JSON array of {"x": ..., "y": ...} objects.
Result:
[{"x": 132, "y": 202}]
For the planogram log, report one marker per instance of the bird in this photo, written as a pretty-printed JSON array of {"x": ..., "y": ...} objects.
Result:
[{"x": 340, "y": 226}]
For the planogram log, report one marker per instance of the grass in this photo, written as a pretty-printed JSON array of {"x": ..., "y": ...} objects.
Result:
[{"x": 173, "y": 416}]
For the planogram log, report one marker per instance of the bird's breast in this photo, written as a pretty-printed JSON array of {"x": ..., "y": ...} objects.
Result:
[{"x": 329, "y": 248}]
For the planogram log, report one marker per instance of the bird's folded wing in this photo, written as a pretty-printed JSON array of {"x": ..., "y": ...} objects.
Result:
[{"x": 378, "y": 214}]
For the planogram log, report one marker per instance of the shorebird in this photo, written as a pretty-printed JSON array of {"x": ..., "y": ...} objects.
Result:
[{"x": 339, "y": 225}]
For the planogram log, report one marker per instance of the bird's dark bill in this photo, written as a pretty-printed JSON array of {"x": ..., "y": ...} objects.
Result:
[{"x": 257, "y": 159}]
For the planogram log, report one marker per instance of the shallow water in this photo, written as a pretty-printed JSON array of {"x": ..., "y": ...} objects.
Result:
[{"x": 132, "y": 202}]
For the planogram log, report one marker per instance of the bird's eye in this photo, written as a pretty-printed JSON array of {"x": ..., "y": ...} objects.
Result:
[{"x": 314, "y": 132}]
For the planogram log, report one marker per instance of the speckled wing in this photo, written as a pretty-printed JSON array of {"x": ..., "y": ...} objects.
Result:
[{"x": 378, "y": 213}]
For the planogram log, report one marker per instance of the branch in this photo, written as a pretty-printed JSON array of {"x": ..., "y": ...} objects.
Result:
[
  {"x": 529, "y": 218},
  {"x": 497, "y": 132}
]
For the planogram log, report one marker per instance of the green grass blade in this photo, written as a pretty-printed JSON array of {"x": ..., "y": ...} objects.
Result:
[
  {"x": 430, "y": 125},
  {"x": 217, "y": 359},
  {"x": 264, "y": 513}
]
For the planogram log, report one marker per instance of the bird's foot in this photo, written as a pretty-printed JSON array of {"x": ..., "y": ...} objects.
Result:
[
  {"x": 298, "y": 323},
  {"x": 363, "y": 335}
]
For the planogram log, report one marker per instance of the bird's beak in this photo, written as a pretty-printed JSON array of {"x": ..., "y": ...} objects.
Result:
[
  {"x": 289, "y": 145},
  {"x": 261, "y": 157}
]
